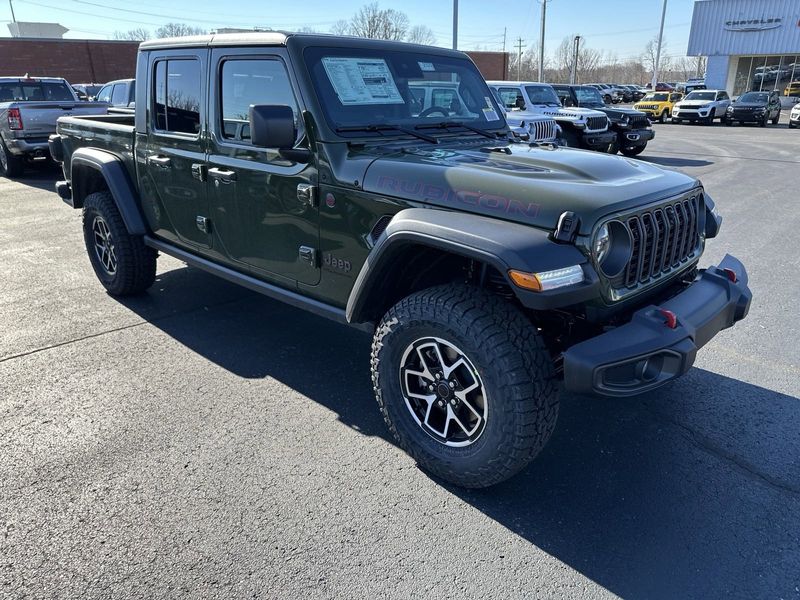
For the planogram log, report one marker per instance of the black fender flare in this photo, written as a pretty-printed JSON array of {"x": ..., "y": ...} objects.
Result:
[
  {"x": 112, "y": 170},
  {"x": 500, "y": 244}
]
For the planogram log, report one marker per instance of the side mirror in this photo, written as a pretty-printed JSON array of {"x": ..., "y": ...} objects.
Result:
[{"x": 272, "y": 126}]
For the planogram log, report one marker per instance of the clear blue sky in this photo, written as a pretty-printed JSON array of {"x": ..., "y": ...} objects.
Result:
[{"x": 620, "y": 26}]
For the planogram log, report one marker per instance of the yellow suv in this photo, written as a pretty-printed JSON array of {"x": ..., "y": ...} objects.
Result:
[
  {"x": 793, "y": 89},
  {"x": 658, "y": 105}
]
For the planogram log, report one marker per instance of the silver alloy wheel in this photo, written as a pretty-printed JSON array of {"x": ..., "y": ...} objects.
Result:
[
  {"x": 104, "y": 245},
  {"x": 443, "y": 391}
]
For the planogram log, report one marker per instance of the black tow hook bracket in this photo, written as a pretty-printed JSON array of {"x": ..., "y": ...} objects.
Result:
[{"x": 567, "y": 227}]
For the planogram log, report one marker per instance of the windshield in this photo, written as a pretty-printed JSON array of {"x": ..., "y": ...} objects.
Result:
[
  {"x": 589, "y": 95},
  {"x": 656, "y": 97},
  {"x": 369, "y": 87},
  {"x": 701, "y": 96},
  {"x": 754, "y": 97},
  {"x": 35, "y": 91},
  {"x": 542, "y": 94}
]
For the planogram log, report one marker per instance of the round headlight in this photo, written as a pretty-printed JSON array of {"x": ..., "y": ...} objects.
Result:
[
  {"x": 612, "y": 248},
  {"x": 602, "y": 242}
]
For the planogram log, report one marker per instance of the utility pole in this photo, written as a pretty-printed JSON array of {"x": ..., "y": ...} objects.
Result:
[
  {"x": 541, "y": 41},
  {"x": 658, "y": 48},
  {"x": 519, "y": 57},
  {"x": 13, "y": 17},
  {"x": 455, "y": 24},
  {"x": 573, "y": 77},
  {"x": 505, "y": 31}
]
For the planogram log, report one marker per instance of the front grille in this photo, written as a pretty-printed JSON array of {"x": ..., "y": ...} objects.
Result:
[
  {"x": 640, "y": 122},
  {"x": 664, "y": 239},
  {"x": 647, "y": 107},
  {"x": 543, "y": 131},
  {"x": 597, "y": 123}
]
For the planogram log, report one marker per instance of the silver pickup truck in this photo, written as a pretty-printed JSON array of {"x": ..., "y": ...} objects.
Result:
[{"x": 29, "y": 109}]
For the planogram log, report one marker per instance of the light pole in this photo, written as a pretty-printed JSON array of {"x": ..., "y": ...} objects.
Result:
[
  {"x": 455, "y": 24},
  {"x": 13, "y": 17},
  {"x": 658, "y": 47},
  {"x": 541, "y": 40},
  {"x": 573, "y": 78}
]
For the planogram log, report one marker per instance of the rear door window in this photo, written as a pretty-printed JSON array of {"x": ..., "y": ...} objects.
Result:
[
  {"x": 177, "y": 93},
  {"x": 119, "y": 97}
]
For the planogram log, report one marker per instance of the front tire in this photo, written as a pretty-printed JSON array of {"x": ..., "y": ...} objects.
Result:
[
  {"x": 663, "y": 118},
  {"x": 777, "y": 119},
  {"x": 636, "y": 151},
  {"x": 465, "y": 384},
  {"x": 570, "y": 139},
  {"x": 121, "y": 261},
  {"x": 10, "y": 166}
]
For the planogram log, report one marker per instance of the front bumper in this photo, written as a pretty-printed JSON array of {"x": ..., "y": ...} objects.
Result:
[
  {"x": 633, "y": 138},
  {"x": 691, "y": 114},
  {"x": 595, "y": 141},
  {"x": 748, "y": 117},
  {"x": 646, "y": 353},
  {"x": 794, "y": 120}
]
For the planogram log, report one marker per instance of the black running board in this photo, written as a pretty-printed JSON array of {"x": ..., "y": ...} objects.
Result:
[{"x": 273, "y": 291}]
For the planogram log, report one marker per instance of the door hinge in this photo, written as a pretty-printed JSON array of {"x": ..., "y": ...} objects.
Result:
[
  {"x": 203, "y": 224},
  {"x": 306, "y": 195},
  {"x": 199, "y": 171},
  {"x": 308, "y": 255}
]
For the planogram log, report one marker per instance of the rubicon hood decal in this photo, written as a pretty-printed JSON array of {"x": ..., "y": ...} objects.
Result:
[{"x": 531, "y": 185}]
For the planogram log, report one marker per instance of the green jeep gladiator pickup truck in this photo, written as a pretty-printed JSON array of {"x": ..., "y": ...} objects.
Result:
[{"x": 306, "y": 168}]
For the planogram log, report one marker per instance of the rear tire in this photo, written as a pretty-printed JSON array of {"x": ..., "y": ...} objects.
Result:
[
  {"x": 121, "y": 261},
  {"x": 497, "y": 347},
  {"x": 10, "y": 166}
]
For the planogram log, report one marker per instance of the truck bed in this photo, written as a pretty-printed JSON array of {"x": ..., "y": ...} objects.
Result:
[{"x": 113, "y": 133}]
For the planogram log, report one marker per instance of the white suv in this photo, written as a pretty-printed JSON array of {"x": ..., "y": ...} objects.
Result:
[
  {"x": 794, "y": 116},
  {"x": 702, "y": 105}
]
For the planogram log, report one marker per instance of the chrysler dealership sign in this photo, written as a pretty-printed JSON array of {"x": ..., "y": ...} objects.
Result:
[{"x": 753, "y": 24}]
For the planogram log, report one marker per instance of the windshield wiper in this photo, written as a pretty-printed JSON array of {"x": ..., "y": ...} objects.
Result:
[
  {"x": 388, "y": 127},
  {"x": 450, "y": 124}
]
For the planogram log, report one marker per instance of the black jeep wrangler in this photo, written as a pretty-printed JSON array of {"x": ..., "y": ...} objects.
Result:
[{"x": 631, "y": 126}]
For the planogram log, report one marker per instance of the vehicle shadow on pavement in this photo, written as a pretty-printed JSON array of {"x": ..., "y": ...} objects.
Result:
[
  {"x": 42, "y": 176},
  {"x": 673, "y": 161},
  {"x": 646, "y": 496}
]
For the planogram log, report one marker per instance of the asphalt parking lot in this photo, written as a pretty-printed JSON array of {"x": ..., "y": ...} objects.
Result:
[{"x": 203, "y": 441}]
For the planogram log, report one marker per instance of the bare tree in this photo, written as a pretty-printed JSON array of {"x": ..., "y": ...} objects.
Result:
[
  {"x": 139, "y": 34},
  {"x": 421, "y": 34},
  {"x": 341, "y": 27},
  {"x": 178, "y": 30},
  {"x": 371, "y": 21}
]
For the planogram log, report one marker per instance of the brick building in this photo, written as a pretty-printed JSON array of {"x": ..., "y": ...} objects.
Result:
[
  {"x": 78, "y": 61},
  {"x": 98, "y": 61}
]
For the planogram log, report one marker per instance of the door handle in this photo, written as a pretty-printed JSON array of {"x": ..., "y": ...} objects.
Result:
[
  {"x": 162, "y": 162},
  {"x": 222, "y": 175}
]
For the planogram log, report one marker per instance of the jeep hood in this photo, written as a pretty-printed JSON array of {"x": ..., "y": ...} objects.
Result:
[{"x": 530, "y": 185}]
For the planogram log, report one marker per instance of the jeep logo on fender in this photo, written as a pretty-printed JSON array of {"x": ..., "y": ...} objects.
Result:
[{"x": 337, "y": 264}]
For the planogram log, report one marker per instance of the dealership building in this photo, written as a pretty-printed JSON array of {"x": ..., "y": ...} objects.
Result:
[{"x": 750, "y": 44}]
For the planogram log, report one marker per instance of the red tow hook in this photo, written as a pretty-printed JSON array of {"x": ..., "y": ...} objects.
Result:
[
  {"x": 731, "y": 274},
  {"x": 670, "y": 318}
]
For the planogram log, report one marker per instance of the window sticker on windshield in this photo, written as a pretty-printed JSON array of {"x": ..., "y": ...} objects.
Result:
[
  {"x": 490, "y": 114},
  {"x": 362, "y": 80},
  {"x": 426, "y": 66}
]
